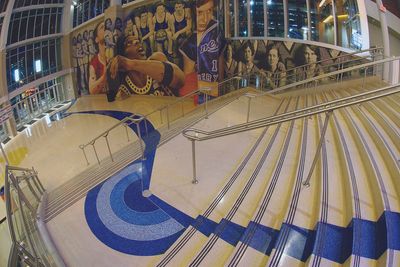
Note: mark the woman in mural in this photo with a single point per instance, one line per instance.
(109, 39)
(146, 32)
(275, 70)
(91, 45)
(97, 67)
(307, 57)
(162, 30)
(117, 30)
(142, 75)
(230, 63)
(81, 65)
(247, 66)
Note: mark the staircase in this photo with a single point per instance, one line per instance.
(350, 213)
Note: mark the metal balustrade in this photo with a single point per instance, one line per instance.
(266, 81)
(164, 114)
(24, 194)
(390, 65)
(32, 106)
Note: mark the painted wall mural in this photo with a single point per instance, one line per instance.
(280, 62)
(149, 50)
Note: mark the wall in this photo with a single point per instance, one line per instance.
(376, 37)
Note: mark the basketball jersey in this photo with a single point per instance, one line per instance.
(181, 24)
(208, 53)
(161, 25)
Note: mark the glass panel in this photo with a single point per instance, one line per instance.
(257, 17)
(324, 21)
(243, 18)
(298, 27)
(231, 18)
(275, 13)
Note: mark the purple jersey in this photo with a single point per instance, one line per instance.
(208, 53)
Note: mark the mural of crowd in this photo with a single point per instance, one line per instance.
(278, 62)
(153, 50)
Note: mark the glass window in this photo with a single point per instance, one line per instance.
(3, 5)
(33, 61)
(276, 23)
(243, 29)
(85, 10)
(23, 3)
(257, 17)
(34, 23)
(322, 18)
(298, 25)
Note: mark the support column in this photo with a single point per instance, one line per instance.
(385, 36)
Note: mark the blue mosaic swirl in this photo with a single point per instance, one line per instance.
(119, 215)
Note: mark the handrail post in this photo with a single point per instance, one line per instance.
(365, 75)
(168, 116)
(319, 147)
(95, 152)
(161, 116)
(140, 139)
(108, 146)
(194, 181)
(126, 130)
(84, 153)
(205, 91)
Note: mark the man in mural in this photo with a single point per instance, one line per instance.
(247, 66)
(182, 26)
(162, 30)
(97, 68)
(146, 31)
(91, 45)
(142, 75)
(130, 27)
(203, 48)
(109, 39)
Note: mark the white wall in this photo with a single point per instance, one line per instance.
(376, 39)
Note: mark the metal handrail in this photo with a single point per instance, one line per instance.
(193, 134)
(334, 58)
(327, 75)
(137, 118)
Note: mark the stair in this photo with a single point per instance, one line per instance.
(348, 214)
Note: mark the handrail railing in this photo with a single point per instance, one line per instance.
(326, 76)
(138, 118)
(288, 74)
(24, 194)
(194, 135)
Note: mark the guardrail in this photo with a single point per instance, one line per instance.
(391, 65)
(164, 114)
(24, 194)
(272, 80)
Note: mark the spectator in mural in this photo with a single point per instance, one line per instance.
(275, 70)
(182, 25)
(230, 63)
(91, 45)
(130, 28)
(142, 75)
(80, 56)
(247, 66)
(307, 57)
(117, 30)
(97, 68)
(146, 32)
(162, 30)
(109, 39)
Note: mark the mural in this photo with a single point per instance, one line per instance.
(163, 49)
(279, 62)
